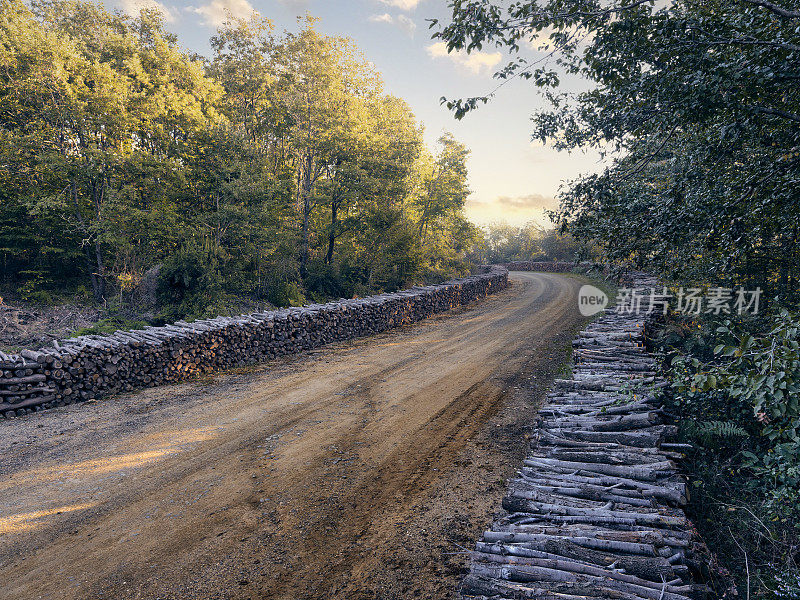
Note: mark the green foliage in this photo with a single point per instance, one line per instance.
(728, 507)
(286, 293)
(274, 169)
(190, 282)
(110, 325)
(751, 384)
(39, 297)
(31, 289)
(695, 106)
(763, 372)
(733, 391)
(712, 432)
(506, 243)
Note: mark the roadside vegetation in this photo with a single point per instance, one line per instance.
(157, 184)
(695, 107)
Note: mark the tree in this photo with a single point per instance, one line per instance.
(111, 100)
(375, 168)
(321, 81)
(695, 103)
(276, 169)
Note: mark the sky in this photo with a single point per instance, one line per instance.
(512, 179)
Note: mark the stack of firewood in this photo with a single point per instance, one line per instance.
(595, 511)
(87, 367)
(23, 381)
(549, 267)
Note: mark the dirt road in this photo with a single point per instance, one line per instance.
(357, 471)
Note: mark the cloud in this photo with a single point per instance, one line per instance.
(133, 7)
(384, 18)
(401, 21)
(402, 4)
(515, 210)
(529, 202)
(217, 12)
(475, 62)
(406, 24)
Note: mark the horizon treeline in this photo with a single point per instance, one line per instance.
(275, 169)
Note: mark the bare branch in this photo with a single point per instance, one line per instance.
(645, 160)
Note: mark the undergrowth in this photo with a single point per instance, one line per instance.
(734, 393)
(110, 325)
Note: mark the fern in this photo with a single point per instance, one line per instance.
(710, 431)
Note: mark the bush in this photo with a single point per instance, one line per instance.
(110, 325)
(324, 281)
(734, 391)
(32, 290)
(286, 293)
(189, 283)
(39, 297)
(760, 377)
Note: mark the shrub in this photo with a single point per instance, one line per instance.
(32, 290)
(189, 283)
(110, 325)
(735, 390)
(762, 373)
(286, 293)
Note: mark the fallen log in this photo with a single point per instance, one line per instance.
(571, 566)
(651, 472)
(542, 575)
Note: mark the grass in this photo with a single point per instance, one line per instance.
(606, 286)
(109, 325)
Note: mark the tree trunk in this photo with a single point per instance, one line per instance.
(101, 282)
(98, 285)
(98, 193)
(306, 201)
(332, 233)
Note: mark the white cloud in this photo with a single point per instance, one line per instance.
(475, 62)
(217, 12)
(402, 4)
(406, 24)
(384, 18)
(401, 21)
(133, 7)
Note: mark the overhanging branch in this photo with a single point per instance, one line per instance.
(778, 10)
(777, 112)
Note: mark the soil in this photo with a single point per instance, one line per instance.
(25, 325)
(362, 470)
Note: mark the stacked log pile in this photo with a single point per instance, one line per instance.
(87, 367)
(596, 509)
(23, 381)
(550, 267)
